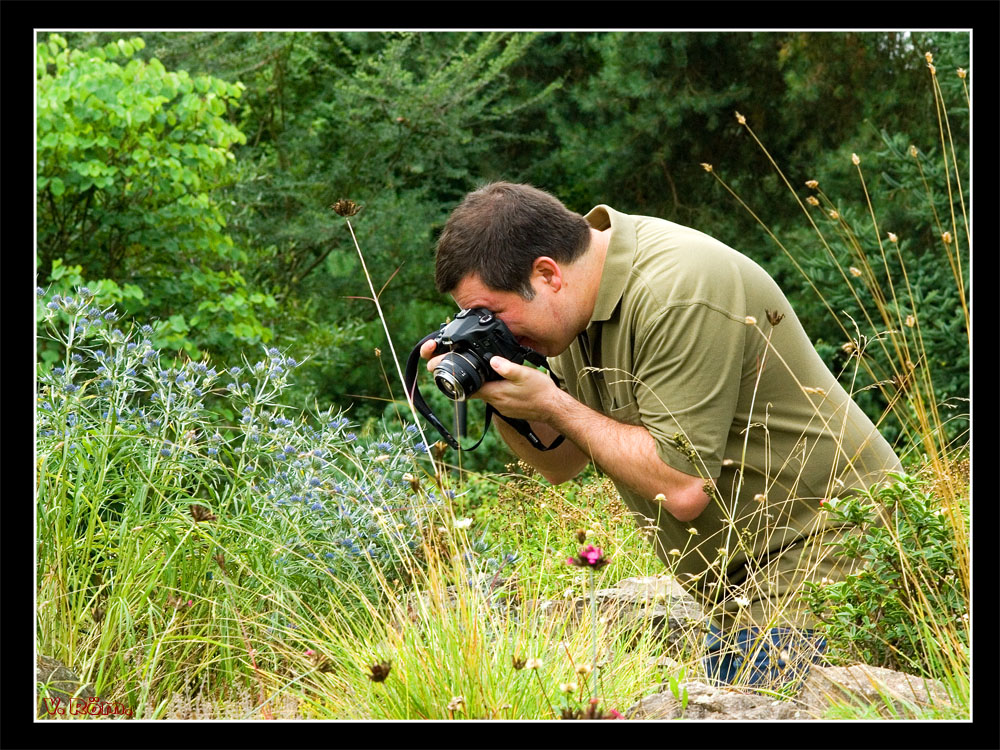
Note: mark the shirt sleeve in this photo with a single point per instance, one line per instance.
(688, 365)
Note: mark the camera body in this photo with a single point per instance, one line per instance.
(474, 337)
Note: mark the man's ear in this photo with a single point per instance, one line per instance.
(548, 271)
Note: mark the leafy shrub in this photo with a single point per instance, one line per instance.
(912, 593)
(129, 158)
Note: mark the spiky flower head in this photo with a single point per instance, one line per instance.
(813, 184)
(345, 207)
(855, 159)
(741, 119)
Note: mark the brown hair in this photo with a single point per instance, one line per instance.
(496, 233)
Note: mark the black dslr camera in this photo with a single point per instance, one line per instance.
(473, 338)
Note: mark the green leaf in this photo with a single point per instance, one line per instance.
(57, 187)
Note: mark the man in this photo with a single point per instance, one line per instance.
(687, 378)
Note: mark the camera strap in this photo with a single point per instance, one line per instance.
(520, 425)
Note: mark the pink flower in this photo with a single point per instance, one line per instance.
(590, 557)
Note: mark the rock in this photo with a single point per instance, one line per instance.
(704, 702)
(635, 606)
(60, 683)
(893, 694)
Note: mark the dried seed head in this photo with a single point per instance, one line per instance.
(518, 662)
(706, 167)
(910, 321)
(438, 449)
(946, 237)
(961, 73)
(379, 671)
(456, 703)
(345, 207)
(584, 669)
(855, 271)
(759, 497)
(774, 317)
(201, 513)
(812, 201)
(674, 552)
(834, 214)
(741, 601)
(750, 320)
(741, 119)
(913, 151)
(812, 184)
(855, 159)
(932, 69)
(414, 482)
(533, 664)
(693, 531)
(581, 535)
(928, 57)
(567, 687)
(893, 238)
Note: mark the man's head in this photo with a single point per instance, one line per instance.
(498, 231)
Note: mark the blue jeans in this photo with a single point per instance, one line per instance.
(754, 658)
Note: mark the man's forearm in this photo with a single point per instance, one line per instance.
(627, 453)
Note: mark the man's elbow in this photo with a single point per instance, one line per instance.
(685, 505)
(555, 477)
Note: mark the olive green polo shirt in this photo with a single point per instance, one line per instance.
(680, 343)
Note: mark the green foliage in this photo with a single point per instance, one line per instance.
(911, 596)
(910, 292)
(126, 444)
(399, 123)
(130, 159)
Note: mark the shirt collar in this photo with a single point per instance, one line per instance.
(617, 262)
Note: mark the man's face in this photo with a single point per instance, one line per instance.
(537, 323)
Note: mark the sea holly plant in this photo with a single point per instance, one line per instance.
(295, 499)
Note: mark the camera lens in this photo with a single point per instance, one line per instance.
(458, 377)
